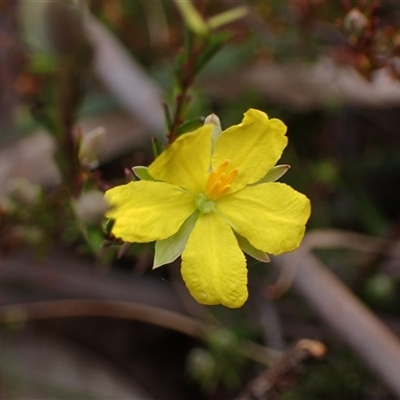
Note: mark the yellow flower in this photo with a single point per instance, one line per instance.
(209, 197)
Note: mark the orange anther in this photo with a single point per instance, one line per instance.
(219, 182)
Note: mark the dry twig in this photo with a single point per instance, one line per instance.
(271, 379)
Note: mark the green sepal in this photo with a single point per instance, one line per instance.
(273, 174)
(249, 249)
(170, 249)
(142, 173)
(109, 225)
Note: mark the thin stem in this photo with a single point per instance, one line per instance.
(189, 73)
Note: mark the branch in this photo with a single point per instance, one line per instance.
(269, 379)
(103, 308)
(132, 311)
(357, 326)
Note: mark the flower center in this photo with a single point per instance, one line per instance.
(219, 181)
(204, 204)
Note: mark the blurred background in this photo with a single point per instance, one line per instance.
(91, 89)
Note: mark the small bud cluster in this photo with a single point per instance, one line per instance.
(370, 43)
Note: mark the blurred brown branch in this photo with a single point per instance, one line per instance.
(356, 325)
(114, 295)
(102, 308)
(332, 239)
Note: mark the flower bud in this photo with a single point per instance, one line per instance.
(91, 206)
(355, 21)
(23, 192)
(90, 147)
(214, 120)
(216, 131)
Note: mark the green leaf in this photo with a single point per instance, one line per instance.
(214, 44)
(227, 17)
(273, 174)
(167, 117)
(249, 249)
(192, 17)
(157, 150)
(170, 249)
(142, 173)
(189, 126)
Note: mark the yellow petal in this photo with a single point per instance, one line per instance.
(272, 216)
(145, 211)
(254, 146)
(186, 162)
(213, 266)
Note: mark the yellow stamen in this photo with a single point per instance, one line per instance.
(219, 182)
